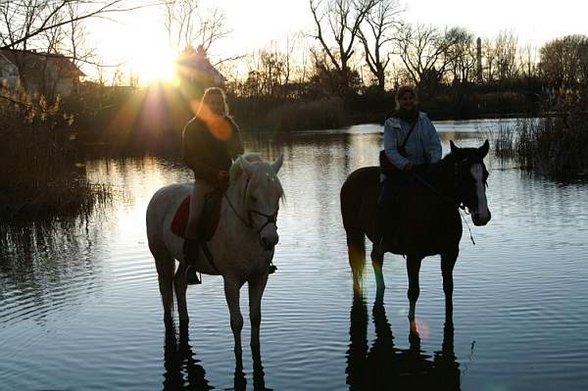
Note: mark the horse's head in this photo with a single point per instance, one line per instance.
(472, 176)
(260, 194)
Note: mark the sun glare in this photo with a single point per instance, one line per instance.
(150, 57)
(155, 68)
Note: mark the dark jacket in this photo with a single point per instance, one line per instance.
(210, 145)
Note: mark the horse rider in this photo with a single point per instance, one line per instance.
(211, 141)
(410, 140)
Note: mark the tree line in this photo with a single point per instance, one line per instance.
(344, 71)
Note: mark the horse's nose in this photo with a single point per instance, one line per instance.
(481, 219)
(270, 242)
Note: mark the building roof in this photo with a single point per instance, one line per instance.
(32, 62)
(195, 63)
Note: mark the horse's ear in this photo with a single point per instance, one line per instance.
(244, 164)
(454, 148)
(484, 148)
(277, 164)
(239, 166)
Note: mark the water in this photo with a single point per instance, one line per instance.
(80, 307)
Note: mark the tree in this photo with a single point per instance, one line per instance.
(461, 55)
(337, 30)
(426, 53)
(24, 21)
(51, 27)
(564, 61)
(188, 25)
(376, 35)
(506, 47)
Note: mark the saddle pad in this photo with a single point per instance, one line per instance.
(178, 225)
(209, 218)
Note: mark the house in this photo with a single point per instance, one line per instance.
(196, 73)
(44, 73)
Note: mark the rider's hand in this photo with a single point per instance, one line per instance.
(222, 177)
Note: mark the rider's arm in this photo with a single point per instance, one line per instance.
(391, 142)
(434, 144)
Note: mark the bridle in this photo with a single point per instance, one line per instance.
(459, 168)
(248, 222)
(455, 199)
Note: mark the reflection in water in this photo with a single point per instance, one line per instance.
(48, 263)
(182, 368)
(384, 366)
(184, 371)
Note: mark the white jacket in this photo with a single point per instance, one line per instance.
(423, 144)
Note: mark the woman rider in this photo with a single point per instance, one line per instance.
(211, 141)
(410, 140)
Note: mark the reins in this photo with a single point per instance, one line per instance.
(460, 205)
(270, 218)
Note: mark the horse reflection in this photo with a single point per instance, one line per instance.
(384, 366)
(182, 368)
(184, 371)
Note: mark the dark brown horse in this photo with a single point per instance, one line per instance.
(429, 217)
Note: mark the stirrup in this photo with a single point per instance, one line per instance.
(272, 268)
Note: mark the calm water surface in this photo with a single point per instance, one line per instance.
(80, 307)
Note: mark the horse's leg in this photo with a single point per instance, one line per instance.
(356, 256)
(165, 265)
(180, 285)
(448, 260)
(232, 287)
(377, 264)
(413, 267)
(256, 288)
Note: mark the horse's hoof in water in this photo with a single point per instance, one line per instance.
(192, 276)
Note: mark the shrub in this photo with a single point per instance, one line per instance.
(39, 176)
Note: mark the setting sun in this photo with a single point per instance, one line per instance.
(155, 68)
(154, 65)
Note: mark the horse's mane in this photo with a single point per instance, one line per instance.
(237, 167)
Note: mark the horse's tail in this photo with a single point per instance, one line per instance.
(350, 198)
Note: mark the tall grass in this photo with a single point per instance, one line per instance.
(39, 177)
(555, 146)
(502, 140)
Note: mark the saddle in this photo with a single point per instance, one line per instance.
(209, 218)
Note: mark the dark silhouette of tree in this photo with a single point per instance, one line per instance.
(24, 21)
(52, 28)
(376, 35)
(564, 61)
(506, 47)
(426, 53)
(337, 30)
(189, 25)
(461, 55)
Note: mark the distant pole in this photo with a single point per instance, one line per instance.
(479, 60)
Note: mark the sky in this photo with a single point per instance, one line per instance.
(141, 40)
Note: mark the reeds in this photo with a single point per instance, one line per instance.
(39, 177)
(555, 146)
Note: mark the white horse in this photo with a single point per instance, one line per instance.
(241, 248)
